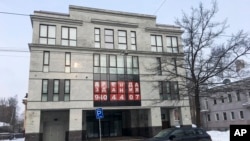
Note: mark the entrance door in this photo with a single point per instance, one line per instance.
(53, 131)
(105, 128)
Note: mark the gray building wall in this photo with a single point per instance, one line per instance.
(85, 20)
(235, 106)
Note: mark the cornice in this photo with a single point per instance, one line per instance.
(56, 20)
(114, 23)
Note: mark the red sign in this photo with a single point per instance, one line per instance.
(104, 87)
(121, 87)
(137, 87)
(113, 87)
(130, 87)
(117, 97)
(100, 97)
(97, 87)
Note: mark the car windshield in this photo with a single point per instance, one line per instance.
(163, 133)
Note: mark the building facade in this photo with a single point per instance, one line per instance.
(227, 105)
(92, 58)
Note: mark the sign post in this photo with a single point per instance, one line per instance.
(99, 115)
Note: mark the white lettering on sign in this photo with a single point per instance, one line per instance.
(239, 132)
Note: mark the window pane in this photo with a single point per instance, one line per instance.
(112, 60)
(56, 86)
(168, 87)
(43, 40)
(129, 71)
(67, 86)
(108, 38)
(65, 33)
(168, 41)
(159, 41)
(43, 30)
(45, 68)
(65, 42)
(132, 40)
(175, 50)
(46, 58)
(51, 41)
(67, 69)
(66, 97)
(52, 31)
(103, 60)
(103, 70)
(121, 33)
(135, 71)
(135, 62)
(122, 40)
(174, 41)
(132, 34)
(97, 45)
(97, 38)
(120, 70)
(159, 49)
(108, 32)
(109, 45)
(44, 97)
(72, 43)
(97, 31)
(72, 33)
(153, 40)
(67, 59)
(122, 46)
(120, 61)
(112, 70)
(56, 97)
(96, 60)
(97, 70)
(45, 86)
(129, 61)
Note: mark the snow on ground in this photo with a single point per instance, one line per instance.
(219, 135)
(216, 136)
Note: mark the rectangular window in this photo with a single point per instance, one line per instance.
(229, 98)
(97, 38)
(215, 102)
(46, 56)
(135, 65)
(217, 117)
(47, 34)
(109, 38)
(206, 104)
(159, 69)
(156, 43)
(133, 40)
(169, 90)
(56, 90)
(120, 65)
(68, 36)
(222, 99)
(66, 90)
(122, 39)
(45, 84)
(67, 62)
(232, 116)
(173, 63)
(238, 95)
(224, 115)
(241, 115)
(208, 117)
(97, 68)
(112, 64)
(172, 44)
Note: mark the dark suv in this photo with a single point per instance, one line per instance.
(181, 134)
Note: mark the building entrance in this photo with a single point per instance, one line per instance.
(111, 124)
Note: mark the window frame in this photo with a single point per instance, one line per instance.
(45, 64)
(217, 116)
(229, 96)
(47, 37)
(67, 66)
(156, 46)
(47, 89)
(241, 115)
(171, 47)
(232, 115)
(133, 38)
(237, 95)
(208, 117)
(68, 39)
(225, 115)
(159, 66)
(105, 38)
(99, 37)
(124, 37)
(65, 89)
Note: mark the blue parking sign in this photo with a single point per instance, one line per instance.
(99, 113)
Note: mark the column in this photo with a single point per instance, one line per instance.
(32, 128)
(155, 123)
(75, 125)
(185, 116)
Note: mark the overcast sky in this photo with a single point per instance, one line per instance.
(16, 30)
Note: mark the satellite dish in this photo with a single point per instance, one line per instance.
(226, 81)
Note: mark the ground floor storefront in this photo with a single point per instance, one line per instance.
(79, 124)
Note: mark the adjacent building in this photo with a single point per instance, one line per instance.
(226, 105)
(91, 58)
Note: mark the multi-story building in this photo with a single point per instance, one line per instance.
(93, 58)
(226, 105)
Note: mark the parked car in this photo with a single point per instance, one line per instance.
(182, 134)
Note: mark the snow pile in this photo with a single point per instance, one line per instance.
(219, 135)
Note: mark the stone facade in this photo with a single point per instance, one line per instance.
(63, 74)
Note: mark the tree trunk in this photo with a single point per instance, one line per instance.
(197, 106)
